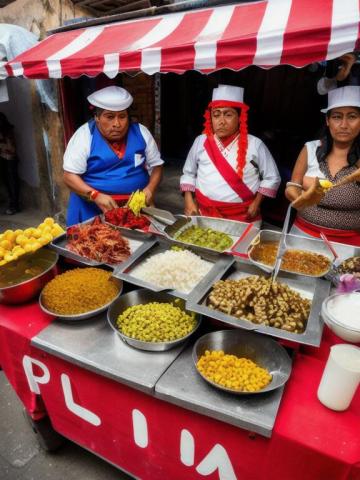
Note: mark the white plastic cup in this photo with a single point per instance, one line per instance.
(341, 377)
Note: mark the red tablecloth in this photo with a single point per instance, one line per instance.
(309, 441)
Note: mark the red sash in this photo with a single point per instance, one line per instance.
(349, 237)
(226, 170)
(229, 210)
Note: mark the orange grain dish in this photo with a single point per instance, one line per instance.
(298, 261)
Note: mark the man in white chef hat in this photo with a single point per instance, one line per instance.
(109, 157)
(228, 172)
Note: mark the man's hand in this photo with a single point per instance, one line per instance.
(310, 197)
(348, 61)
(254, 209)
(105, 202)
(190, 207)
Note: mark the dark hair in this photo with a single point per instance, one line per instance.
(327, 142)
(5, 125)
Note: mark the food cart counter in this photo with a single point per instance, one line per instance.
(131, 412)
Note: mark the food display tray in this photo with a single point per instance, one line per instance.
(124, 270)
(315, 289)
(138, 242)
(181, 385)
(293, 242)
(236, 230)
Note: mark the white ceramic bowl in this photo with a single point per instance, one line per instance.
(339, 325)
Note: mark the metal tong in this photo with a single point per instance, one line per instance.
(281, 247)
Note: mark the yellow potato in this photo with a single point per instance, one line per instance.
(18, 250)
(2, 262)
(29, 232)
(5, 244)
(9, 235)
(37, 233)
(49, 221)
(21, 239)
(9, 257)
(28, 247)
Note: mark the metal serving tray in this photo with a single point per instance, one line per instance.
(236, 230)
(124, 270)
(292, 242)
(138, 242)
(315, 289)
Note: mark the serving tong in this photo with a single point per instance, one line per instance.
(281, 248)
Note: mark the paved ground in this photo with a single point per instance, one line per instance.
(21, 458)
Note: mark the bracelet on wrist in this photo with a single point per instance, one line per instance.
(93, 194)
(294, 184)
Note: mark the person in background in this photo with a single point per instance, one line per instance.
(228, 172)
(335, 157)
(8, 162)
(109, 157)
(339, 71)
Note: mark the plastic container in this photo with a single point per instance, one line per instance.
(341, 377)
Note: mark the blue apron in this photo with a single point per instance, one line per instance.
(109, 174)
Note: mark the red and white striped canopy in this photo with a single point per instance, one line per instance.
(264, 33)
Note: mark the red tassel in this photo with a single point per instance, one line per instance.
(243, 130)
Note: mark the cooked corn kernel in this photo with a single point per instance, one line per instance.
(237, 373)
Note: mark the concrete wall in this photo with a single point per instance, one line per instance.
(38, 130)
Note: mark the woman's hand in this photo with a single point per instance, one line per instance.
(311, 196)
(149, 196)
(253, 210)
(105, 202)
(191, 207)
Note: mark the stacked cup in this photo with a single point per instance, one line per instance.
(341, 377)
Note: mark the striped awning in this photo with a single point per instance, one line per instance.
(264, 33)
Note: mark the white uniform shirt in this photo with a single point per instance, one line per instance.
(313, 169)
(78, 150)
(200, 173)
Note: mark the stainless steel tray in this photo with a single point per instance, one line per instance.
(124, 271)
(236, 230)
(137, 297)
(265, 352)
(82, 316)
(138, 242)
(291, 242)
(315, 289)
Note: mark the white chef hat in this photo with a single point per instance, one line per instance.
(343, 97)
(111, 98)
(229, 93)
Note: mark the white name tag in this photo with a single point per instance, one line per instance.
(138, 159)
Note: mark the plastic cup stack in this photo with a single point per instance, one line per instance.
(341, 377)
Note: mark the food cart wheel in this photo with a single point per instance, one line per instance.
(48, 439)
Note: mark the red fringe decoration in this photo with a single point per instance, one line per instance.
(243, 130)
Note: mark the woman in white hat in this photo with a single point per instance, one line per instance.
(108, 158)
(335, 157)
(228, 172)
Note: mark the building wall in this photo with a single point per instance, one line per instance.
(38, 130)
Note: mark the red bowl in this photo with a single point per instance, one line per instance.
(29, 289)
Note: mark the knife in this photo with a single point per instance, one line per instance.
(282, 246)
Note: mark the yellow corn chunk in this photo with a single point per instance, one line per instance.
(325, 184)
(136, 202)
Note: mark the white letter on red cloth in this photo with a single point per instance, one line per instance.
(73, 407)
